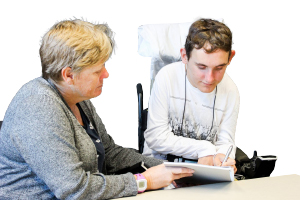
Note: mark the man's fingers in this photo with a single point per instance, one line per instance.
(206, 160)
(217, 162)
(234, 168)
(230, 162)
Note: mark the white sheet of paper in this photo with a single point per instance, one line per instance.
(205, 174)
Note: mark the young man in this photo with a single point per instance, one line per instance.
(194, 104)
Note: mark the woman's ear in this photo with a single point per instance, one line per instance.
(67, 75)
(183, 55)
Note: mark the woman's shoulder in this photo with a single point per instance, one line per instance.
(36, 87)
(37, 92)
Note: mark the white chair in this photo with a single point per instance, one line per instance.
(161, 42)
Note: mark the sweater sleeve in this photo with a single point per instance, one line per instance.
(159, 136)
(44, 135)
(117, 157)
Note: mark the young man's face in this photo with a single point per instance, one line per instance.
(206, 70)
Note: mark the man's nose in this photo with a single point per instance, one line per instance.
(209, 76)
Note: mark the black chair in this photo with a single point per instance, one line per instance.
(142, 114)
(0, 124)
(248, 168)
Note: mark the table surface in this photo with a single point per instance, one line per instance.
(280, 187)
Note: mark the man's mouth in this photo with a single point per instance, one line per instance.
(207, 84)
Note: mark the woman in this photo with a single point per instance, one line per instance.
(53, 145)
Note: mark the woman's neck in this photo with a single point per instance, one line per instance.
(70, 97)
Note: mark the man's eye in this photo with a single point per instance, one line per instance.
(201, 67)
(219, 68)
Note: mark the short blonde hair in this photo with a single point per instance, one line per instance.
(76, 44)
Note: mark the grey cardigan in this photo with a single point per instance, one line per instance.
(46, 154)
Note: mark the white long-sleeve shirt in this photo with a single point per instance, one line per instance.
(165, 112)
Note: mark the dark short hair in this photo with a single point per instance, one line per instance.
(208, 31)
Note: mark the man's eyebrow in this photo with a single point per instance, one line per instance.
(223, 64)
(220, 65)
(200, 64)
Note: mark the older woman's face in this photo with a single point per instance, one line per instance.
(89, 82)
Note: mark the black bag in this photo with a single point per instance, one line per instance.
(256, 167)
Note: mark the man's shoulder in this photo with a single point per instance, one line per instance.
(227, 85)
(171, 70)
(175, 66)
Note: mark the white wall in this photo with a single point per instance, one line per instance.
(265, 68)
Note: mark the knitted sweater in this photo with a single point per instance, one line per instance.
(46, 154)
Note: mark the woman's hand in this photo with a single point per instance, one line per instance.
(219, 159)
(162, 176)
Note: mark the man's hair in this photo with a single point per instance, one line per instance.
(76, 44)
(210, 35)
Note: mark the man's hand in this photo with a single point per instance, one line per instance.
(162, 176)
(207, 160)
(219, 159)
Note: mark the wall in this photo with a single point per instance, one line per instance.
(265, 67)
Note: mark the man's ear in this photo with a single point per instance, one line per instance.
(67, 75)
(183, 55)
(231, 55)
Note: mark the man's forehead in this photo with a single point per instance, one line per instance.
(216, 52)
(216, 58)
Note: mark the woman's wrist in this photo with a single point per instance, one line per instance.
(147, 179)
(141, 182)
(149, 186)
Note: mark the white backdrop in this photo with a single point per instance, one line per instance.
(265, 68)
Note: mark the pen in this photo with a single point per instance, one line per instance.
(227, 154)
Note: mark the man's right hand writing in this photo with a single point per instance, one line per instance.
(219, 159)
(207, 160)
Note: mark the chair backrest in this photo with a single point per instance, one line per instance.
(0, 124)
(161, 42)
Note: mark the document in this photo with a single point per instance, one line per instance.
(205, 174)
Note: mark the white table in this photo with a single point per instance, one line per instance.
(281, 187)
